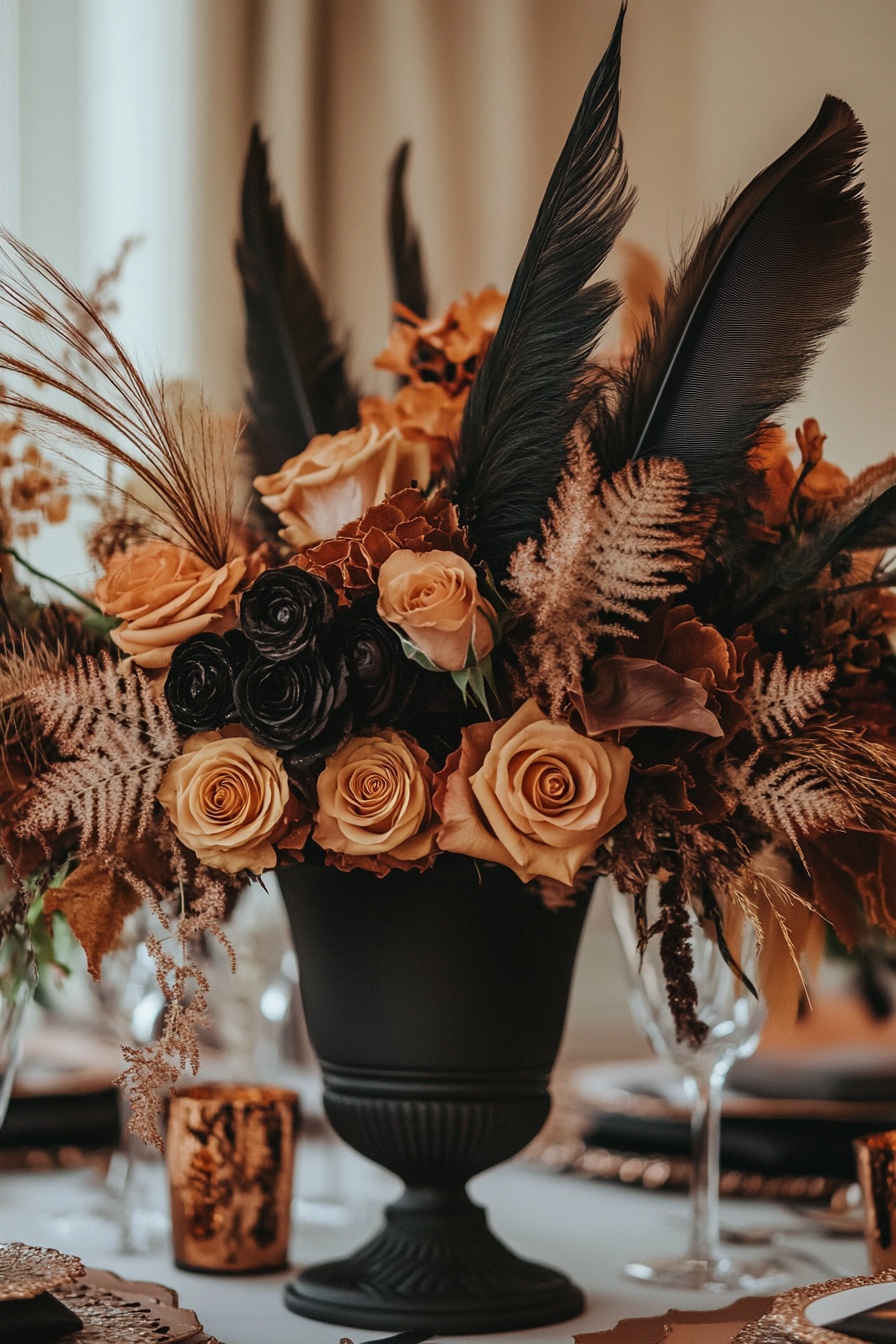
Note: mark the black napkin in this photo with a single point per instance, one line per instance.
(877, 1324)
(85, 1120)
(785, 1146)
(39, 1320)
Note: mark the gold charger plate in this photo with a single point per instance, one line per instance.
(28, 1271)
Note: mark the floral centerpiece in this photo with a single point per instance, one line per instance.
(564, 613)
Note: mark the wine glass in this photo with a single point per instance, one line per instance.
(18, 981)
(734, 1019)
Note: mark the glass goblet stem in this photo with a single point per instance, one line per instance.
(704, 1092)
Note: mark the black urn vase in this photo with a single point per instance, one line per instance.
(436, 1003)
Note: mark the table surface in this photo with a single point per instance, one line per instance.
(587, 1228)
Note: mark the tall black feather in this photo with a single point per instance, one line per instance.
(523, 402)
(745, 316)
(405, 254)
(299, 386)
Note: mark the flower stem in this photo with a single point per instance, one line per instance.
(48, 578)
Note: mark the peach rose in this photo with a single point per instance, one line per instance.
(163, 594)
(434, 601)
(337, 477)
(227, 797)
(375, 805)
(531, 794)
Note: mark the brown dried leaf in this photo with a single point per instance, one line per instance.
(96, 902)
(640, 693)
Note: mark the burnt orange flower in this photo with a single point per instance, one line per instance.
(446, 349)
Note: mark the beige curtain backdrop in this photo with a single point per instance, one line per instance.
(486, 90)
(134, 119)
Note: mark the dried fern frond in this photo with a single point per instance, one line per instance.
(792, 797)
(115, 739)
(783, 701)
(43, 648)
(92, 394)
(608, 552)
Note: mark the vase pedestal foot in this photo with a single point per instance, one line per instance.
(436, 1265)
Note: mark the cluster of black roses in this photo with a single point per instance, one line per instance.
(300, 673)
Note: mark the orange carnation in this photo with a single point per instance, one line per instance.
(163, 594)
(532, 794)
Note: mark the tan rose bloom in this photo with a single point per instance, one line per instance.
(337, 477)
(375, 804)
(531, 794)
(163, 594)
(434, 601)
(226, 797)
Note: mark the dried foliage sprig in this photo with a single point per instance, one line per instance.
(608, 550)
(781, 701)
(115, 738)
(56, 340)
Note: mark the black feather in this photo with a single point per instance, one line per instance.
(408, 273)
(745, 316)
(523, 402)
(299, 386)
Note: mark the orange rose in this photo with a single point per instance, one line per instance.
(337, 477)
(434, 601)
(375, 812)
(227, 797)
(531, 794)
(163, 594)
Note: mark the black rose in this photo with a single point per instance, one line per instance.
(200, 681)
(287, 704)
(381, 676)
(285, 610)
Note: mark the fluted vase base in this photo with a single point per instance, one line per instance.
(436, 1265)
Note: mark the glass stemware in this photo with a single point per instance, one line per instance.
(734, 1019)
(18, 981)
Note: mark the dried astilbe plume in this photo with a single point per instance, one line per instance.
(92, 394)
(607, 551)
(115, 739)
(181, 980)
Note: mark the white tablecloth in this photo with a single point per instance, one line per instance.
(586, 1228)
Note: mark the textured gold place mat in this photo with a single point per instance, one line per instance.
(28, 1271)
(113, 1310)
